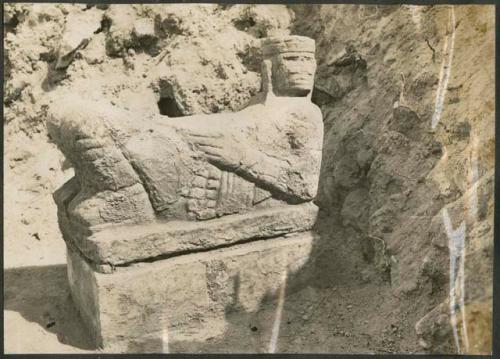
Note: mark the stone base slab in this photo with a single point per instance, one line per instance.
(144, 306)
(120, 245)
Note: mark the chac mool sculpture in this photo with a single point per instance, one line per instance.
(147, 188)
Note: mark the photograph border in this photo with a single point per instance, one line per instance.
(496, 230)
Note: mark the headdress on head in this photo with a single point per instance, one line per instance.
(273, 46)
(293, 43)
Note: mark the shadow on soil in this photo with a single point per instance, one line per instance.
(41, 295)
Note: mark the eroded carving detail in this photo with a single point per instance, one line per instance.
(131, 169)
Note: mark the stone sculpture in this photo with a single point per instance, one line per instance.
(197, 167)
(148, 188)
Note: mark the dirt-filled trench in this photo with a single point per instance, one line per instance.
(406, 184)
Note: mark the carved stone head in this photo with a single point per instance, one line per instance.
(289, 65)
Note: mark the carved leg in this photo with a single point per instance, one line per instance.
(110, 189)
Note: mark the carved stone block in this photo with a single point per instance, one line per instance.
(119, 245)
(145, 307)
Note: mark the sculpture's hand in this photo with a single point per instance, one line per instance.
(222, 151)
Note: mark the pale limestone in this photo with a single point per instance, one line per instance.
(131, 243)
(185, 296)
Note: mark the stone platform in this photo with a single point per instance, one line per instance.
(141, 288)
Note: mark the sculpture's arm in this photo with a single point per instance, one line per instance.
(293, 178)
(291, 174)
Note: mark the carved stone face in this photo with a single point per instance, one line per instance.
(293, 73)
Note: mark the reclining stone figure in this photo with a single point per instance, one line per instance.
(132, 168)
(148, 191)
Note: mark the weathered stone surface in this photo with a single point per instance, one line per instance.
(132, 243)
(147, 194)
(144, 306)
(196, 167)
(240, 150)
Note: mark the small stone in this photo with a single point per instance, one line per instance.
(144, 28)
